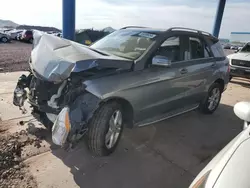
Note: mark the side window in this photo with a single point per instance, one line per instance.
(196, 48)
(207, 52)
(217, 50)
(170, 48)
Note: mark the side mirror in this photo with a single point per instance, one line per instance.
(161, 61)
(242, 110)
(235, 51)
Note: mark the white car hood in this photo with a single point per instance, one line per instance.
(240, 56)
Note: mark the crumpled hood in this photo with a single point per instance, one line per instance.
(54, 58)
(240, 56)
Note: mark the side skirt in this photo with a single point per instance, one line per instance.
(166, 116)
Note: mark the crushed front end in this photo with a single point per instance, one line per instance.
(64, 107)
(55, 86)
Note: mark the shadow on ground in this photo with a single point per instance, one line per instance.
(166, 154)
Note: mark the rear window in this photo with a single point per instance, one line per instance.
(217, 50)
(215, 47)
(29, 33)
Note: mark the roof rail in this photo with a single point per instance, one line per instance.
(188, 29)
(133, 27)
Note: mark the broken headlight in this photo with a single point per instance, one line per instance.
(61, 127)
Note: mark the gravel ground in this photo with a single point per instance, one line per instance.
(14, 56)
(13, 172)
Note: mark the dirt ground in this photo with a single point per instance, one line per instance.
(166, 154)
(14, 56)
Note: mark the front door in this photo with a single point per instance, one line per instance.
(164, 88)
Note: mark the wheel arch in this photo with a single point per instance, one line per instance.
(221, 82)
(127, 108)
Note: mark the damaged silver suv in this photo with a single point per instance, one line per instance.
(132, 77)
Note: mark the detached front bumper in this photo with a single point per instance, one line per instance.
(239, 72)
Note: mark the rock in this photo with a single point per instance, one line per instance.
(4, 175)
(17, 167)
(21, 165)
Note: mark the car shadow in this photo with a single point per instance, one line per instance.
(165, 154)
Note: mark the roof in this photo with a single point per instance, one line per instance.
(158, 31)
(240, 33)
(146, 29)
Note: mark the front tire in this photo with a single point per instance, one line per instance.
(105, 129)
(212, 100)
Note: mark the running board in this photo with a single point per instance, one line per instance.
(166, 116)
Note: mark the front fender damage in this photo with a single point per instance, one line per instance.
(72, 122)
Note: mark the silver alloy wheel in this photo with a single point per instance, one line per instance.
(4, 40)
(115, 124)
(214, 99)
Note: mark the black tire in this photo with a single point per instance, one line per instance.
(4, 39)
(98, 128)
(204, 106)
(31, 40)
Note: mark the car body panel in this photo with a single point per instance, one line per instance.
(240, 56)
(236, 172)
(240, 64)
(218, 163)
(4, 35)
(61, 57)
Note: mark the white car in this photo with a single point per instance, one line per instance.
(4, 37)
(230, 168)
(240, 62)
(13, 34)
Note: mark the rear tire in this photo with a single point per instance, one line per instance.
(212, 100)
(31, 40)
(100, 140)
(230, 78)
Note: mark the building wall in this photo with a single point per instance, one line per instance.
(240, 37)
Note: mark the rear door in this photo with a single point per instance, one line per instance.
(200, 65)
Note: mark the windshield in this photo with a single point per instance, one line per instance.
(125, 43)
(246, 48)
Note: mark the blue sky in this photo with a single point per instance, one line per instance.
(197, 14)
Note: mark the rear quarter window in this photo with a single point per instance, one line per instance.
(28, 32)
(217, 50)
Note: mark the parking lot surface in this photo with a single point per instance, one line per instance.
(165, 154)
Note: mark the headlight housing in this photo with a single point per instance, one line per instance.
(201, 183)
(61, 127)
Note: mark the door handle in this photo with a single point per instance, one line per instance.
(213, 65)
(183, 71)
